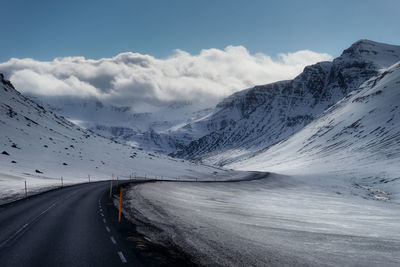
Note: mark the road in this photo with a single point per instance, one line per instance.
(72, 226)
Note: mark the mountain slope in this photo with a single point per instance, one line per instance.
(148, 130)
(356, 140)
(264, 115)
(38, 146)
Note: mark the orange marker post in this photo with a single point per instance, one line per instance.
(111, 188)
(120, 205)
(26, 190)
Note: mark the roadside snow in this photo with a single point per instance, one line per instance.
(271, 222)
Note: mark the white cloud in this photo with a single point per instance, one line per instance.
(132, 77)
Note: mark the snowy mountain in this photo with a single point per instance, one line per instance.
(148, 130)
(261, 116)
(356, 141)
(39, 146)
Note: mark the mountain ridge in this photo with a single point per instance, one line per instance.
(265, 115)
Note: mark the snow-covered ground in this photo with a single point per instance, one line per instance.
(270, 222)
(40, 147)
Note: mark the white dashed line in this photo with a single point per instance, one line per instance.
(113, 240)
(104, 220)
(122, 257)
(102, 215)
(108, 229)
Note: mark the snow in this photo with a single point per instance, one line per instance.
(158, 129)
(382, 55)
(356, 141)
(43, 147)
(274, 221)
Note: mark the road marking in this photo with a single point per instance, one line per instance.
(102, 215)
(108, 229)
(122, 257)
(113, 240)
(104, 220)
(15, 234)
(20, 231)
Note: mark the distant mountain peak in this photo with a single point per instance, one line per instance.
(364, 44)
(380, 54)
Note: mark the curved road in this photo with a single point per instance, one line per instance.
(65, 227)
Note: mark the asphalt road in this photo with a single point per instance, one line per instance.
(66, 227)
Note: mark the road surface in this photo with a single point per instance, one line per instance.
(72, 226)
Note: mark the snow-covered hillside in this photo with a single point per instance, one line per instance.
(152, 130)
(259, 117)
(356, 141)
(275, 221)
(38, 146)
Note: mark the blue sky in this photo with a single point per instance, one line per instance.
(44, 30)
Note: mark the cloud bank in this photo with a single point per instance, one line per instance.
(130, 78)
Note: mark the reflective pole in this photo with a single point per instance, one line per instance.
(120, 205)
